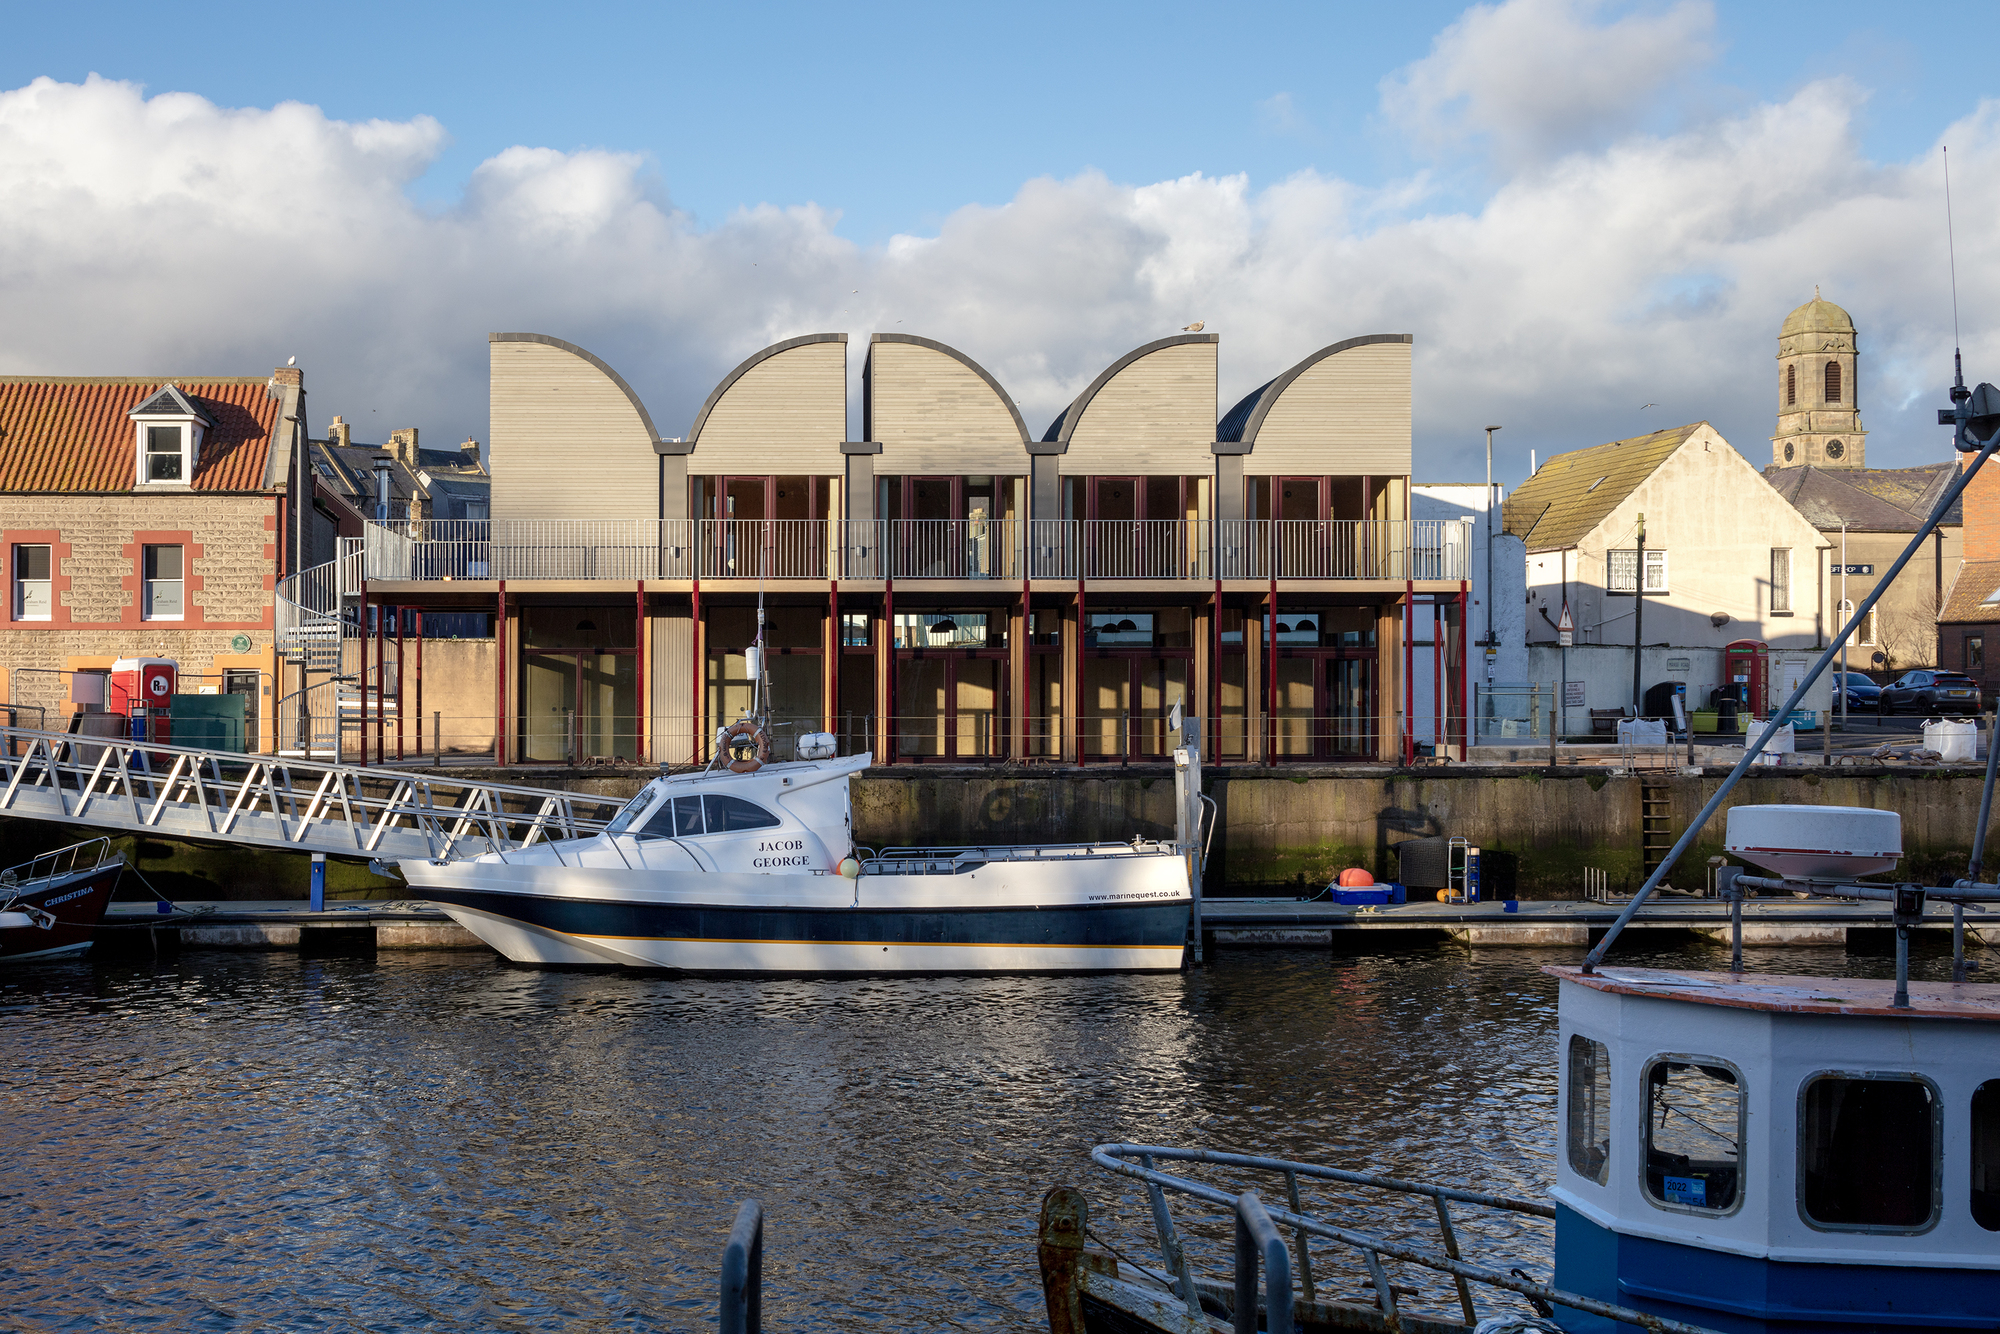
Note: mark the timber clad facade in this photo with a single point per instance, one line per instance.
(951, 586)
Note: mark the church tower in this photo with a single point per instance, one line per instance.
(1819, 410)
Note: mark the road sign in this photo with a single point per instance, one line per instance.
(1565, 628)
(1855, 569)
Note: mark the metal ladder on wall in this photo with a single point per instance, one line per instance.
(1656, 833)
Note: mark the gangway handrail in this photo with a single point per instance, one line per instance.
(256, 799)
(1373, 1248)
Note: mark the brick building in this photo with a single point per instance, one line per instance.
(1971, 614)
(144, 517)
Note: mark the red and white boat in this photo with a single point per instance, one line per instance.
(51, 906)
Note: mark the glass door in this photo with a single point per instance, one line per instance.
(578, 706)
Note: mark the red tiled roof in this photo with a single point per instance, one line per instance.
(70, 433)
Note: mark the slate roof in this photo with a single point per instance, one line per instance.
(1870, 500)
(1974, 595)
(74, 433)
(1572, 492)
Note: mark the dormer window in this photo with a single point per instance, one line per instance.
(166, 455)
(169, 430)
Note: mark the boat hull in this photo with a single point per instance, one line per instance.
(76, 901)
(707, 938)
(1123, 914)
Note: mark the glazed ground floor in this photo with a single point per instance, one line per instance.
(1084, 676)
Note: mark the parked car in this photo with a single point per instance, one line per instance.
(1861, 692)
(1930, 692)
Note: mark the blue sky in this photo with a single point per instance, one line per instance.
(1575, 207)
(897, 114)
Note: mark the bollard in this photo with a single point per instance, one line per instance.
(743, 1273)
(318, 899)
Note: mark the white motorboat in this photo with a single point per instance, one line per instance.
(756, 872)
(749, 866)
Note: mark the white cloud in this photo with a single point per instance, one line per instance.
(170, 236)
(1538, 77)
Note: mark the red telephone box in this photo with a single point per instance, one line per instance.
(1746, 672)
(143, 690)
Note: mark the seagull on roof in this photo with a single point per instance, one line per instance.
(1193, 328)
(291, 361)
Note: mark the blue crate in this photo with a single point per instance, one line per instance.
(1364, 895)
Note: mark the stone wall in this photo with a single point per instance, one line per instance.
(1280, 831)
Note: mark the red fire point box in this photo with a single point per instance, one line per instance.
(143, 690)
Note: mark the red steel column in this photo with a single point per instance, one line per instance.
(402, 700)
(500, 679)
(1409, 672)
(1437, 673)
(437, 746)
(362, 673)
(381, 683)
(695, 721)
(639, 677)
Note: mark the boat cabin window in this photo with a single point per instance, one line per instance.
(628, 813)
(1694, 1133)
(687, 816)
(1589, 1114)
(730, 814)
(1868, 1152)
(661, 823)
(1986, 1155)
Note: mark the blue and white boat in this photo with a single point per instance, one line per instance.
(750, 866)
(756, 872)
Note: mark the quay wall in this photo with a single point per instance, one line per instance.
(1281, 830)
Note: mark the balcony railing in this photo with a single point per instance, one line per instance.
(1168, 550)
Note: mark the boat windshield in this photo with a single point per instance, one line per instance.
(632, 810)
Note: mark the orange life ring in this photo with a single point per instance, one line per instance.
(747, 728)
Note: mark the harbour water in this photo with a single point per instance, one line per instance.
(263, 1141)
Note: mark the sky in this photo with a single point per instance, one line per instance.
(1575, 208)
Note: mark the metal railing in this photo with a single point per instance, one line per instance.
(1137, 1162)
(1179, 550)
(957, 861)
(268, 801)
(85, 856)
(742, 1304)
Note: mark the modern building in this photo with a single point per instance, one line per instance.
(1723, 559)
(947, 584)
(144, 517)
(1495, 674)
(1866, 516)
(1971, 612)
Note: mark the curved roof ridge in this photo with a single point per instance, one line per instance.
(1064, 426)
(744, 367)
(652, 433)
(1013, 409)
(1231, 425)
(1275, 389)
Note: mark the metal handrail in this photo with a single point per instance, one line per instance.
(1372, 1248)
(132, 784)
(26, 874)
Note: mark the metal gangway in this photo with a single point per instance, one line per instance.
(267, 801)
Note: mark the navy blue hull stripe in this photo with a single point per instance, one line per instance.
(1089, 927)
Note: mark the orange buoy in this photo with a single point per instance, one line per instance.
(1354, 877)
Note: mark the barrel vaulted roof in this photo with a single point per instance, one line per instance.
(75, 433)
(1572, 493)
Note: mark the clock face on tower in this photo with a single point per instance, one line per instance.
(1834, 449)
(1788, 453)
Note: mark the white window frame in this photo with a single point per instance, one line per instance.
(191, 438)
(1864, 633)
(1781, 556)
(1619, 584)
(22, 585)
(147, 586)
